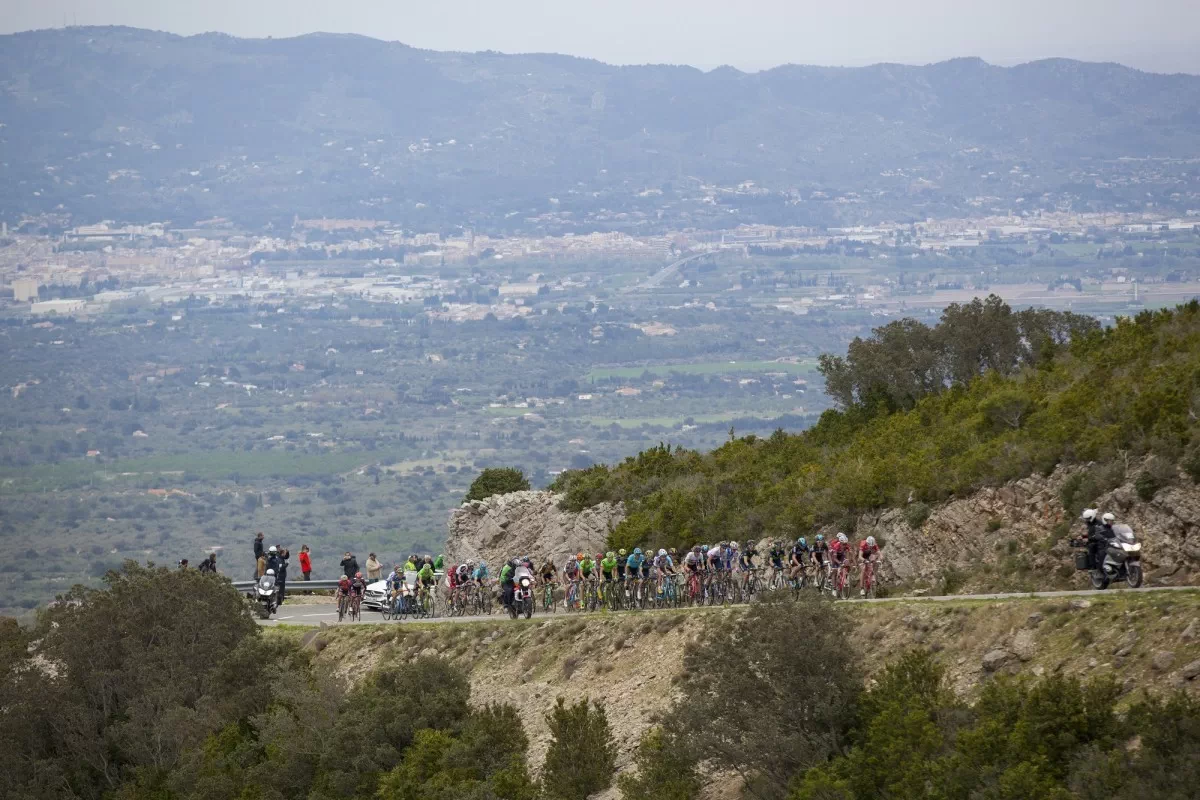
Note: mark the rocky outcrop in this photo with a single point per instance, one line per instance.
(1020, 519)
(527, 523)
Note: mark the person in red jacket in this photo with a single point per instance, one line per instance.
(305, 563)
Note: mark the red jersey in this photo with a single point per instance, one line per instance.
(838, 550)
(865, 550)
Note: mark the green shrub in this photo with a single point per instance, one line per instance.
(582, 754)
(666, 770)
(1146, 486)
(497, 480)
(916, 514)
(1191, 464)
(994, 524)
(951, 581)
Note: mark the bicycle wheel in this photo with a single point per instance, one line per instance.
(341, 609)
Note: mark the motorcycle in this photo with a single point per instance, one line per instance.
(267, 596)
(522, 603)
(1121, 561)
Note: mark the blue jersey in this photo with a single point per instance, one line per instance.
(480, 572)
(634, 562)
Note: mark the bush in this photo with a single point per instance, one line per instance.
(1191, 464)
(665, 771)
(497, 480)
(916, 514)
(1146, 486)
(740, 676)
(582, 754)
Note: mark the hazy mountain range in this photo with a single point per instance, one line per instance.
(138, 125)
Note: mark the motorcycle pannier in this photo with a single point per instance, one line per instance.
(1081, 561)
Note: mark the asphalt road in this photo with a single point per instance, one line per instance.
(318, 613)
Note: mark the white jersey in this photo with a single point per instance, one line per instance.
(715, 552)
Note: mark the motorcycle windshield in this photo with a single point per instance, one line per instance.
(1124, 533)
(266, 582)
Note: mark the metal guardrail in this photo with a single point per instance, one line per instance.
(295, 586)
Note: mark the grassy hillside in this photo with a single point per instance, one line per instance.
(932, 413)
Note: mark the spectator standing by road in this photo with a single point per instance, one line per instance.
(258, 546)
(209, 564)
(349, 564)
(262, 565)
(305, 563)
(374, 568)
(281, 573)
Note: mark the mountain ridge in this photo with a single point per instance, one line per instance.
(139, 125)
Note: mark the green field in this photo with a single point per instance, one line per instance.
(671, 422)
(803, 367)
(209, 466)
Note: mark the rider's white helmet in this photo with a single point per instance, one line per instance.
(841, 537)
(1089, 514)
(871, 541)
(1109, 519)
(271, 572)
(662, 552)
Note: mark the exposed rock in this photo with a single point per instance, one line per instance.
(527, 523)
(1191, 671)
(1126, 645)
(1023, 645)
(1192, 632)
(1079, 604)
(956, 533)
(995, 659)
(1163, 660)
(1034, 619)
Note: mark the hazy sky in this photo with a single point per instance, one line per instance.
(1157, 35)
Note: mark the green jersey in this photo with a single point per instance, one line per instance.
(426, 572)
(608, 565)
(586, 566)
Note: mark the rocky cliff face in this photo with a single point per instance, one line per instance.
(527, 523)
(1015, 532)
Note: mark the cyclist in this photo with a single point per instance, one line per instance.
(745, 562)
(608, 567)
(647, 564)
(343, 589)
(776, 555)
(622, 563)
(694, 560)
(634, 562)
(716, 556)
(730, 556)
(868, 552)
(480, 575)
(548, 572)
(586, 566)
(393, 582)
(800, 556)
(664, 564)
(462, 574)
(571, 568)
(820, 552)
(839, 552)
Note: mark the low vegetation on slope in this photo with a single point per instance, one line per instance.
(986, 396)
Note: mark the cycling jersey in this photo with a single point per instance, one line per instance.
(344, 586)
(746, 559)
(462, 574)
(800, 553)
(548, 572)
(571, 569)
(819, 551)
(645, 568)
(865, 550)
(586, 566)
(608, 566)
(621, 565)
(777, 556)
(664, 563)
(838, 552)
(394, 579)
(692, 560)
(426, 574)
(480, 573)
(357, 586)
(634, 562)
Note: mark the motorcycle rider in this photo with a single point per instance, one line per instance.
(1100, 539)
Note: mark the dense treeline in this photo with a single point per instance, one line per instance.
(160, 687)
(984, 397)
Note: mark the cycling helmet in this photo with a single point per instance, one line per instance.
(637, 551)
(820, 537)
(672, 551)
(662, 552)
(1089, 514)
(724, 544)
(610, 554)
(271, 572)
(358, 574)
(871, 541)
(801, 543)
(843, 538)
(698, 548)
(599, 556)
(622, 552)
(1109, 519)
(733, 546)
(483, 565)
